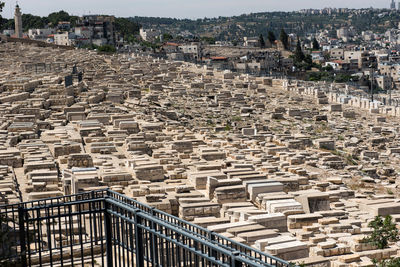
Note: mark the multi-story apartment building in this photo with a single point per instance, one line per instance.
(96, 29)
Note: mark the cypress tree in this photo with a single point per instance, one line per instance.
(262, 41)
(298, 54)
(284, 38)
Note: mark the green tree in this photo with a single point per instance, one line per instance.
(298, 54)
(384, 231)
(308, 61)
(127, 28)
(284, 38)
(271, 37)
(167, 37)
(315, 44)
(90, 46)
(395, 262)
(30, 21)
(107, 49)
(55, 17)
(208, 40)
(328, 68)
(1, 10)
(261, 41)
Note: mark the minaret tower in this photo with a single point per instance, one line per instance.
(18, 22)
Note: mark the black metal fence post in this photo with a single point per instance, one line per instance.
(22, 235)
(154, 243)
(235, 261)
(95, 237)
(212, 252)
(139, 240)
(108, 230)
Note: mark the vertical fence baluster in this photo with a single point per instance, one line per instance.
(235, 260)
(139, 240)
(39, 233)
(48, 226)
(154, 245)
(108, 230)
(70, 223)
(21, 222)
(79, 217)
(91, 232)
(100, 222)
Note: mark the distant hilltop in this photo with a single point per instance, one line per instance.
(301, 22)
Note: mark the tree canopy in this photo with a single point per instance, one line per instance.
(261, 41)
(127, 28)
(30, 21)
(271, 37)
(1, 10)
(55, 17)
(284, 38)
(384, 231)
(209, 40)
(298, 54)
(167, 37)
(394, 262)
(107, 49)
(315, 44)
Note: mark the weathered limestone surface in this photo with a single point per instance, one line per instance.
(296, 169)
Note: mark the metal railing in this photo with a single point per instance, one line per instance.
(109, 229)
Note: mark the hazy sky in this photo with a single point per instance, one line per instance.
(177, 8)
